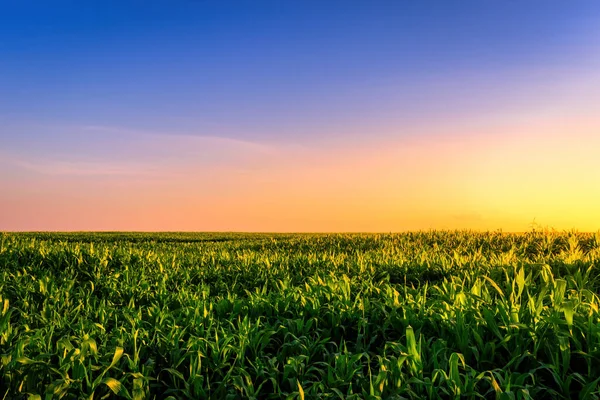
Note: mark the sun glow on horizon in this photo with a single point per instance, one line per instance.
(450, 181)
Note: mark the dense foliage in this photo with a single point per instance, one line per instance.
(228, 316)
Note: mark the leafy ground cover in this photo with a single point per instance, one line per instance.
(231, 316)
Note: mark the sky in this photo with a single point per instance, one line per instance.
(299, 116)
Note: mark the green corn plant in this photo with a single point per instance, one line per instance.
(416, 315)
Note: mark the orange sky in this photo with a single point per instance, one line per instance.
(538, 171)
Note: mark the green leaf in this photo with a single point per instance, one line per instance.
(560, 287)
(494, 285)
(520, 278)
(26, 361)
(300, 390)
(587, 391)
(116, 357)
(411, 344)
(5, 307)
(113, 385)
(568, 307)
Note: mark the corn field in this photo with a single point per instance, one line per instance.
(423, 315)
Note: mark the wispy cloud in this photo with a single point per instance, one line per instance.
(109, 151)
(82, 168)
(180, 139)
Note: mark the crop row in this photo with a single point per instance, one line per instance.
(416, 315)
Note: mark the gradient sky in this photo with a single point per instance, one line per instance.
(323, 115)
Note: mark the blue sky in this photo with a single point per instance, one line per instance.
(265, 68)
(126, 86)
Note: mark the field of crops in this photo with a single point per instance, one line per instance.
(233, 316)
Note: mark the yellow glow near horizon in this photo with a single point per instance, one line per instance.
(535, 172)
